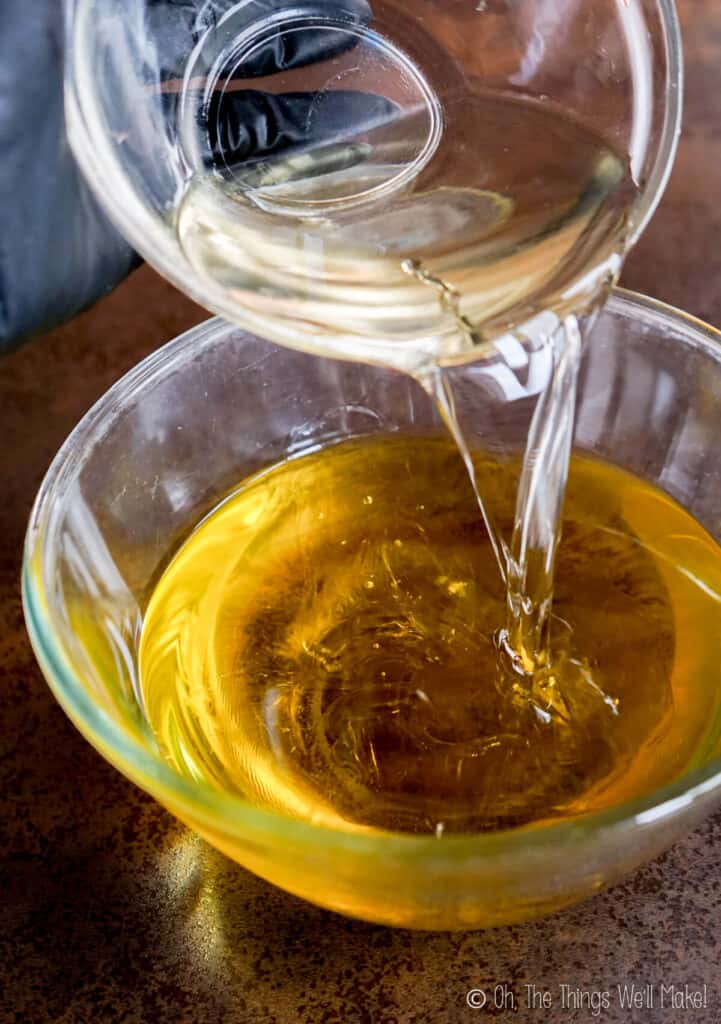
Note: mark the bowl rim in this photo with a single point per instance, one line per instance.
(232, 815)
(658, 178)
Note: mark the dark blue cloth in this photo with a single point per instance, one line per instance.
(58, 253)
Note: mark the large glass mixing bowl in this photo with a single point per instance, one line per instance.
(169, 441)
(311, 248)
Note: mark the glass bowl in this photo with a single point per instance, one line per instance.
(168, 441)
(271, 249)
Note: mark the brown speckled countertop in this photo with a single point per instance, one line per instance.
(112, 911)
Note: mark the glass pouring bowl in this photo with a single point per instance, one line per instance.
(259, 245)
(172, 438)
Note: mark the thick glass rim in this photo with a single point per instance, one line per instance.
(658, 179)
(153, 237)
(232, 815)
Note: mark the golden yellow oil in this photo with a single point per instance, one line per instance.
(324, 643)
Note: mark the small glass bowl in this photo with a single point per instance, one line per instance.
(168, 441)
(140, 77)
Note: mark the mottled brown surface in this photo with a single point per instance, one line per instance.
(111, 911)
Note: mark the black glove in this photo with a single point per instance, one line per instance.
(58, 252)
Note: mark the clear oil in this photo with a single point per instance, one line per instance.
(390, 634)
(520, 209)
(328, 643)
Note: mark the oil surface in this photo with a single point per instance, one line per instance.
(325, 643)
